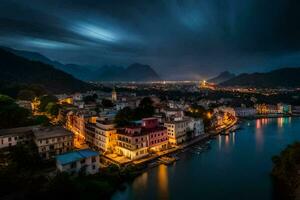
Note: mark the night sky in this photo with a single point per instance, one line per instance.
(179, 39)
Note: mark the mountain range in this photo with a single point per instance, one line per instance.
(283, 77)
(19, 70)
(224, 76)
(134, 72)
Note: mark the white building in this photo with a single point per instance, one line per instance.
(105, 135)
(13, 136)
(84, 160)
(245, 112)
(177, 130)
(196, 126)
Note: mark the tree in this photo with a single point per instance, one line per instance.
(11, 114)
(90, 98)
(197, 111)
(106, 103)
(5, 100)
(52, 109)
(41, 119)
(26, 95)
(124, 117)
(45, 100)
(145, 109)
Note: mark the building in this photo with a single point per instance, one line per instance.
(86, 161)
(90, 133)
(132, 143)
(76, 120)
(114, 95)
(158, 136)
(205, 85)
(296, 110)
(53, 141)
(13, 136)
(284, 108)
(177, 130)
(264, 109)
(24, 104)
(105, 135)
(173, 113)
(245, 112)
(197, 127)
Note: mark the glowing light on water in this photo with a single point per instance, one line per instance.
(163, 182)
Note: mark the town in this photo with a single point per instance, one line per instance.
(93, 130)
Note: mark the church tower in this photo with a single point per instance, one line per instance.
(114, 95)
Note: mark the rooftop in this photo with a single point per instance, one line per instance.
(140, 131)
(184, 119)
(51, 132)
(26, 129)
(74, 156)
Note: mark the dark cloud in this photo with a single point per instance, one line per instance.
(184, 38)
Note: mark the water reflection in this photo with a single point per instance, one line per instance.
(219, 173)
(259, 135)
(220, 142)
(226, 141)
(162, 177)
(280, 122)
(141, 182)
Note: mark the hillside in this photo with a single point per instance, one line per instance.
(224, 76)
(16, 69)
(134, 72)
(78, 71)
(284, 77)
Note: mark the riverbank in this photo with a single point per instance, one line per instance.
(233, 165)
(269, 116)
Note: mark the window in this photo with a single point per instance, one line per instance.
(93, 159)
(82, 161)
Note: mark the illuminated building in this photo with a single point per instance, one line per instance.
(114, 95)
(205, 85)
(75, 122)
(177, 130)
(132, 143)
(105, 135)
(158, 136)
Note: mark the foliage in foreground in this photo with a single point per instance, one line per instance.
(285, 169)
(11, 115)
(25, 176)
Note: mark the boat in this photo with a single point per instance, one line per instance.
(167, 160)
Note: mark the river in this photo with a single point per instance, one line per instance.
(236, 167)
